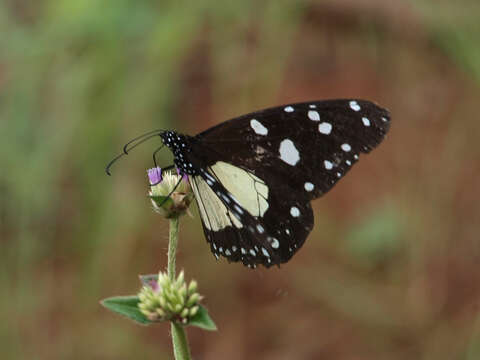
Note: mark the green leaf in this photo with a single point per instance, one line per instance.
(202, 320)
(146, 280)
(126, 306)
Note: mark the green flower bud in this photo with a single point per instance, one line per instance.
(162, 279)
(193, 299)
(170, 296)
(184, 313)
(192, 287)
(161, 312)
(180, 280)
(180, 299)
(162, 302)
(183, 291)
(193, 311)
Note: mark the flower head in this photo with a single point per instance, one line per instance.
(171, 194)
(163, 299)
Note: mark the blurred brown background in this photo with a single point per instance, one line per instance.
(391, 270)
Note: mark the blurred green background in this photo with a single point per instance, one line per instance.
(391, 270)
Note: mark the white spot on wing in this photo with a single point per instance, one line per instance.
(314, 115)
(354, 105)
(308, 186)
(366, 122)
(346, 147)
(294, 211)
(260, 229)
(312, 106)
(275, 243)
(328, 164)
(288, 152)
(238, 209)
(208, 176)
(288, 109)
(258, 127)
(325, 128)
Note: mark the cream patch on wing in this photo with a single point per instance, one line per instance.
(247, 191)
(214, 213)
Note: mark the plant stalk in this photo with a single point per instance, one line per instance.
(172, 248)
(181, 349)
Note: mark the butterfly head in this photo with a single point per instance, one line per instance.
(180, 146)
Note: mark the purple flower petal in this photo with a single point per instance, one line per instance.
(154, 285)
(154, 175)
(183, 175)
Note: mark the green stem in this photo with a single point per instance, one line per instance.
(180, 342)
(172, 248)
(181, 350)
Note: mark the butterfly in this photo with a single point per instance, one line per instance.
(254, 176)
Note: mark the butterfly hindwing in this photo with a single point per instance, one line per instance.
(243, 231)
(228, 225)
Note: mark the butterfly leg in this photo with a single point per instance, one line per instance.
(154, 155)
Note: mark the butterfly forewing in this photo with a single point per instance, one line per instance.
(308, 145)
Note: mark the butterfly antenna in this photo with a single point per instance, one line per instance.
(135, 141)
(155, 154)
(142, 138)
(107, 168)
